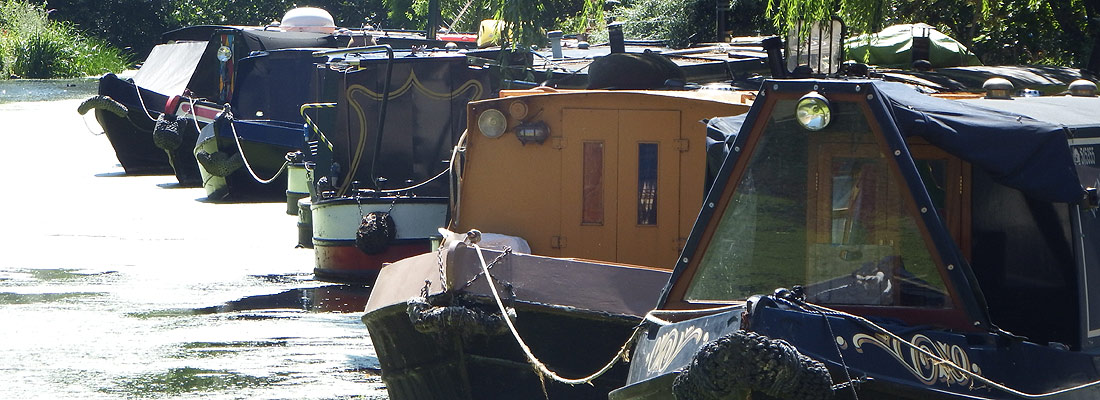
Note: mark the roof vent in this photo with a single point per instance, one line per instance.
(308, 19)
(1082, 88)
(997, 88)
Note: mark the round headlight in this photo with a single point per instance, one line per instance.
(492, 123)
(813, 111)
(224, 54)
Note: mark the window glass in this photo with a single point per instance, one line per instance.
(647, 183)
(824, 211)
(592, 181)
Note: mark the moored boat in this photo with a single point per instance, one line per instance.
(556, 180)
(197, 63)
(869, 241)
(385, 155)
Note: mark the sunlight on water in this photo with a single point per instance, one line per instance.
(63, 341)
(115, 286)
(13, 90)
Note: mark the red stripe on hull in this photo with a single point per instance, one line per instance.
(347, 264)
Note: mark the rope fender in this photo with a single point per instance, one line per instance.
(452, 320)
(747, 361)
(101, 102)
(219, 163)
(166, 133)
(376, 231)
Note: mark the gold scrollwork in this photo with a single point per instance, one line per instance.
(670, 344)
(412, 82)
(919, 364)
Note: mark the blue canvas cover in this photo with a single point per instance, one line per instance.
(1028, 153)
(1018, 151)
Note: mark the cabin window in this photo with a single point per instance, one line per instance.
(822, 210)
(647, 183)
(592, 210)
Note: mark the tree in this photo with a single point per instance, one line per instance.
(1062, 32)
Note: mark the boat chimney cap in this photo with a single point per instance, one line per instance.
(308, 19)
(1082, 88)
(997, 88)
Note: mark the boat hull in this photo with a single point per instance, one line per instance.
(848, 348)
(424, 366)
(574, 315)
(264, 144)
(131, 134)
(335, 222)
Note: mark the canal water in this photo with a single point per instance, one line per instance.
(115, 286)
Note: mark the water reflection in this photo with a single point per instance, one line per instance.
(16, 90)
(178, 381)
(78, 333)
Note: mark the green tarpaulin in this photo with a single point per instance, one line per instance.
(892, 48)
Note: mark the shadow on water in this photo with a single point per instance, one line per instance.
(323, 299)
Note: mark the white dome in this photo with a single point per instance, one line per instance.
(308, 19)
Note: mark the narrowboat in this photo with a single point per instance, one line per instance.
(549, 182)
(378, 165)
(186, 78)
(864, 240)
(570, 62)
(245, 154)
(184, 82)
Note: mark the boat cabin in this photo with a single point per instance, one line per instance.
(616, 176)
(871, 198)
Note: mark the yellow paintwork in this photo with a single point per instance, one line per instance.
(535, 191)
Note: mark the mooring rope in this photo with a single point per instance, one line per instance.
(142, 101)
(940, 360)
(534, 361)
(248, 166)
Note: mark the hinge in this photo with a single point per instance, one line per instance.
(682, 144)
(559, 143)
(557, 242)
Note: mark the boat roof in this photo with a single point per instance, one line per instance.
(1049, 80)
(1021, 146)
(1076, 113)
(1027, 152)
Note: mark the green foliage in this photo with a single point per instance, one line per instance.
(679, 23)
(1000, 32)
(42, 55)
(34, 46)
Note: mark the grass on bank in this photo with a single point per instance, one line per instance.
(33, 46)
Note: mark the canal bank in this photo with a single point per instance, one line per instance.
(119, 286)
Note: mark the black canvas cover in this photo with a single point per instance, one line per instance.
(207, 82)
(425, 116)
(274, 84)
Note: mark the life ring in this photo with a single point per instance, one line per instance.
(743, 361)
